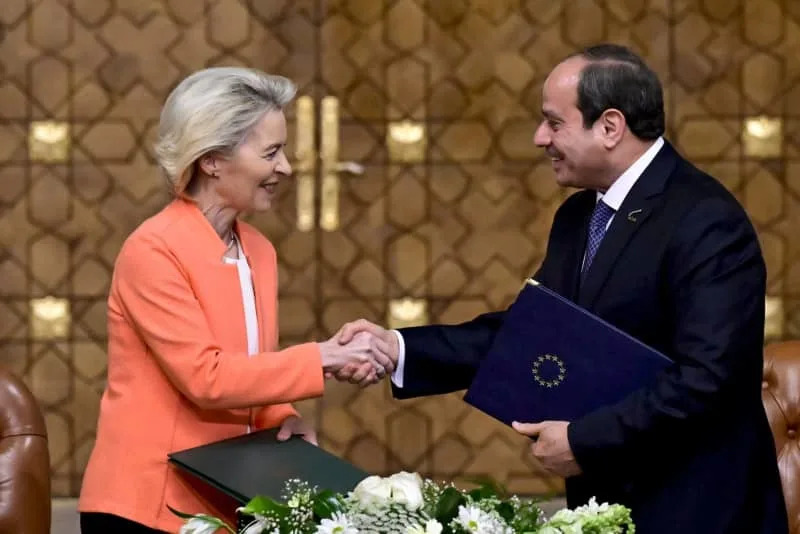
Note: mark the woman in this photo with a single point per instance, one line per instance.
(192, 311)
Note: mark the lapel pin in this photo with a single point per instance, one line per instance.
(632, 215)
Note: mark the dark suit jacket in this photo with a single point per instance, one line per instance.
(684, 274)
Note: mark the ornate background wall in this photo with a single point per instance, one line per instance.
(450, 213)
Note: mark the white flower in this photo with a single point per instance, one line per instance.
(337, 524)
(474, 520)
(565, 515)
(199, 525)
(592, 508)
(373, 490)
(567, 521)
(431, 527)
(256, 526)
(406, 489)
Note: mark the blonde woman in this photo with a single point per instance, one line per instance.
(192, 311)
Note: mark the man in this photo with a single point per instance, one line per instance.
(665, 253)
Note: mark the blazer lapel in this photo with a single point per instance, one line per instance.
(204, 252)
(634, 211)
(264, 288)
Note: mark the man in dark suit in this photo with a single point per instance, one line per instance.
(664, 252)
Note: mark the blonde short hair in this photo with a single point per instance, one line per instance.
(213, 110)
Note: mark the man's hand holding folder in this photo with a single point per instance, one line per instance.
(551, 446)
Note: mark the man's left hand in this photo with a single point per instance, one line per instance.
(295, 426)
(551, 446)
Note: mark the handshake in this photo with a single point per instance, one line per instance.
(360, 352)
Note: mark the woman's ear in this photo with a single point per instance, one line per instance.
(209, 164)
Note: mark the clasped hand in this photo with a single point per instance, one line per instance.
(361, 352)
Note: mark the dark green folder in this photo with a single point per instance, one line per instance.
(258, 464)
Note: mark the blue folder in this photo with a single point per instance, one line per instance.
(553, 360)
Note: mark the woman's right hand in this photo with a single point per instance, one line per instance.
(364, 347)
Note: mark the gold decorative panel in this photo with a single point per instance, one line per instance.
(49, 141)
(407, 312)
(457, 229)
(406, 141)
(773, 318)
(763, 137)
(306, 162)
(50, 318)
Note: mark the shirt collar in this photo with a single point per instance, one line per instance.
(622, 185)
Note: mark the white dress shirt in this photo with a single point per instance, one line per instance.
(613, 198)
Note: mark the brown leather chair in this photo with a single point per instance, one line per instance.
(781, 395)
(24, 461)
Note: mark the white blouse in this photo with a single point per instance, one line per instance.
(248, 298)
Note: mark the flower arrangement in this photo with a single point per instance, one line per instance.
(405, 503)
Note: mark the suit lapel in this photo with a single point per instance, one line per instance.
(574, 258)
(623, 227)
(560, 269)
(638, 205)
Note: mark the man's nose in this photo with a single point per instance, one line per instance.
(541, 137)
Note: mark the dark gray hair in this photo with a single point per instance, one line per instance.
(617, 78)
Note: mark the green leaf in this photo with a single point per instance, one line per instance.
(506, 511)
(326, 503)
(205, 517)
(484, 492)
(486, 483)
(182, 515)
(447, 507)
(264, 506)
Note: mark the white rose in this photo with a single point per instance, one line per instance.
(256, 527)
(373, 490)
(199, 525)
(433, 527)
(406, 489)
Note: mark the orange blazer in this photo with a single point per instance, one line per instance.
(179, 374)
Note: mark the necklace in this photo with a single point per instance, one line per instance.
(230, 239)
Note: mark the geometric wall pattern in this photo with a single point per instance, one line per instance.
(459, 230)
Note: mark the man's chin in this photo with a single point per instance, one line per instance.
(565, 179)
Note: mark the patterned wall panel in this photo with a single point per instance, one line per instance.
(453, 234)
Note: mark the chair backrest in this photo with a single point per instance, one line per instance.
(24, 461)
(781, 395)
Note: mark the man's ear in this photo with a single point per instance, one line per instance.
(209, 164)
(612, 125)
